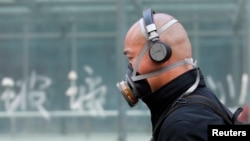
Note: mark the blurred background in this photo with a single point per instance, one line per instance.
(60, 61)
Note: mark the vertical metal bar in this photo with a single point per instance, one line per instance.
(246, 42)
(73, 48)
(121, 64)
(237, 51)
(246, 50)
(25, 64)
(236, 58)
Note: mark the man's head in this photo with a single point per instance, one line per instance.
(137, 42)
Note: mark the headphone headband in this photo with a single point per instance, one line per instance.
(148, 16)
(149, 24)
(159, 31)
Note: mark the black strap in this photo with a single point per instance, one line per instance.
(197, 99)
(236, 114)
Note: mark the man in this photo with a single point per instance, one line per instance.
(161, 72)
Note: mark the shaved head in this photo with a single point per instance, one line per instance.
(175, 36)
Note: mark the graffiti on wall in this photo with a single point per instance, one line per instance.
(231, 93)
(88, 95)
(21, 95)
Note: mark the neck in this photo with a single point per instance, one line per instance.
(162, 79)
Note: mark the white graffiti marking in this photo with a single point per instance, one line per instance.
(89, 97)
(243, 90)
(231, 89)
(17, 95)
(9, 94)
(37, 92)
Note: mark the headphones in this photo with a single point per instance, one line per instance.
(158, 50)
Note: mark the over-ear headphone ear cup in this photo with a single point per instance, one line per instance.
(159, 51)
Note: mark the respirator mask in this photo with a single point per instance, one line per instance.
(135, 86)
(133, 90)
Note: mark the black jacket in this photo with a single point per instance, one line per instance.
(188, 123)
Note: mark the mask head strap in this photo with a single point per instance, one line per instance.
(188, 61)
(160, 30)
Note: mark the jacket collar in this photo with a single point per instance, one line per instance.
(162, 99)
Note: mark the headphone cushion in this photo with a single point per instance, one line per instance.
(159, 51)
